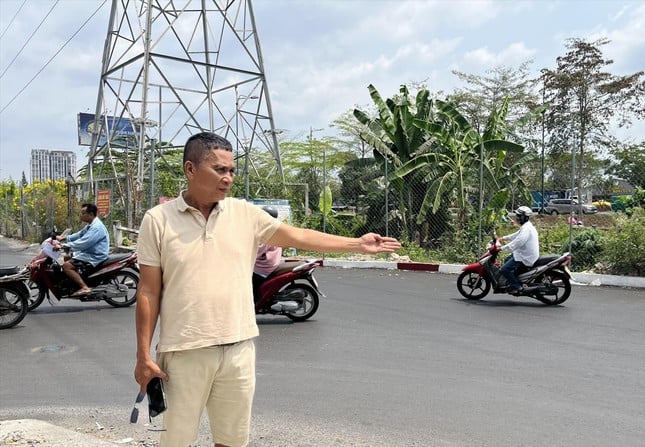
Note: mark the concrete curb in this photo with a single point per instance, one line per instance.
(581, 279)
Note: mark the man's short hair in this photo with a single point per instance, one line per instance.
(199, 145)
(91, 208)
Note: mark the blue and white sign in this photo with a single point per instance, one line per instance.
(118, 127)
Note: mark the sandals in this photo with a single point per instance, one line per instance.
(82, 292)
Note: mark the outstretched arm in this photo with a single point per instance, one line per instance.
(306, 239)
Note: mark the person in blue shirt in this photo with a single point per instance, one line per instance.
(90, 246)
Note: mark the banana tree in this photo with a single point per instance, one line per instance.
(455, 159)
(396, 140)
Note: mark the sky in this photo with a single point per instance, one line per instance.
(319, 56)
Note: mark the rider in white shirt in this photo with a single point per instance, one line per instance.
(524, 246)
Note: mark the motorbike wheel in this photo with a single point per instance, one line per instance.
(561, 281)
(36, 295)
(309, 303)
(125, 278)
(14, 305)
(472, 286)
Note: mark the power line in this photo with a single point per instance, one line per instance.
(12, 19)
(52, 58)
(29, 39)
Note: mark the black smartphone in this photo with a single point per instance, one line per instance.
(156, 397)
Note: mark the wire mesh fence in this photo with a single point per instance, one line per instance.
(605, 234)
(451, 227)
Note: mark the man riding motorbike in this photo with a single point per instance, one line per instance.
(524, 246)
(90, 247)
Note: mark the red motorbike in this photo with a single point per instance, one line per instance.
(548, 280)
(291, 290)
(114, 280)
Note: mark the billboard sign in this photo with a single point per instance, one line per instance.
(103, 197)
(119, 127)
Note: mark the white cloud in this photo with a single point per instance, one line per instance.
(319, 55)
(512, 55)
(627, 46)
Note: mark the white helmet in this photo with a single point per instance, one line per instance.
(524, 210)
(523, 214)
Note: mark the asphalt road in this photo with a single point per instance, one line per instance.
(391, 358)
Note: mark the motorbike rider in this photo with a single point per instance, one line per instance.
(524, 246)
(267, 260)
(90, 247)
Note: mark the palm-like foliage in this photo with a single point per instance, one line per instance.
(439, 160)
(455, 160)
(396, 140)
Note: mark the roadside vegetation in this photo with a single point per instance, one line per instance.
(437, 170)
(609, 243)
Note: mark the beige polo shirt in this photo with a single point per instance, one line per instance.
(207, 266)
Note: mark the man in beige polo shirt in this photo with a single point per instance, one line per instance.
(196, 255)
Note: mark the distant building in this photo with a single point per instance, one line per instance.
(52, 165)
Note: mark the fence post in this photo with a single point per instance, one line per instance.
(118, 233)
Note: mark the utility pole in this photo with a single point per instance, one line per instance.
(324, 186)
(542, 192)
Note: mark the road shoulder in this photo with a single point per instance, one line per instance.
(31, 432)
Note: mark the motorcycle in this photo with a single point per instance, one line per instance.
(14, 296)
(114, 280)
(548, 280)
(284, 292)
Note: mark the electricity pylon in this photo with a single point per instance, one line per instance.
(172, 68)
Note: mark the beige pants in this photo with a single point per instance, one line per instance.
(218, 378)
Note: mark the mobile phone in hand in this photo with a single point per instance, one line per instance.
(156, 397)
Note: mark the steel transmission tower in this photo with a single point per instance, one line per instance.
(172, 68)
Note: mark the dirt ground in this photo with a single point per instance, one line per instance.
(599, 220)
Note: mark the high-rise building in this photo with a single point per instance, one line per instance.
(52, 165)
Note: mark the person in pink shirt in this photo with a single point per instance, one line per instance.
(267, 260)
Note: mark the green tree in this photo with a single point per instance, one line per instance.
(349, 135)
(44, 207)
(584, 101)
(630, 164)
(396, 140)
(307, 163)
(487, 92)
(9, 214)
(515, 87)
(451, 159)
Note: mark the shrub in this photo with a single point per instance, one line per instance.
(625, 247)
(554, 240)
(416, 253)
(586, 247)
